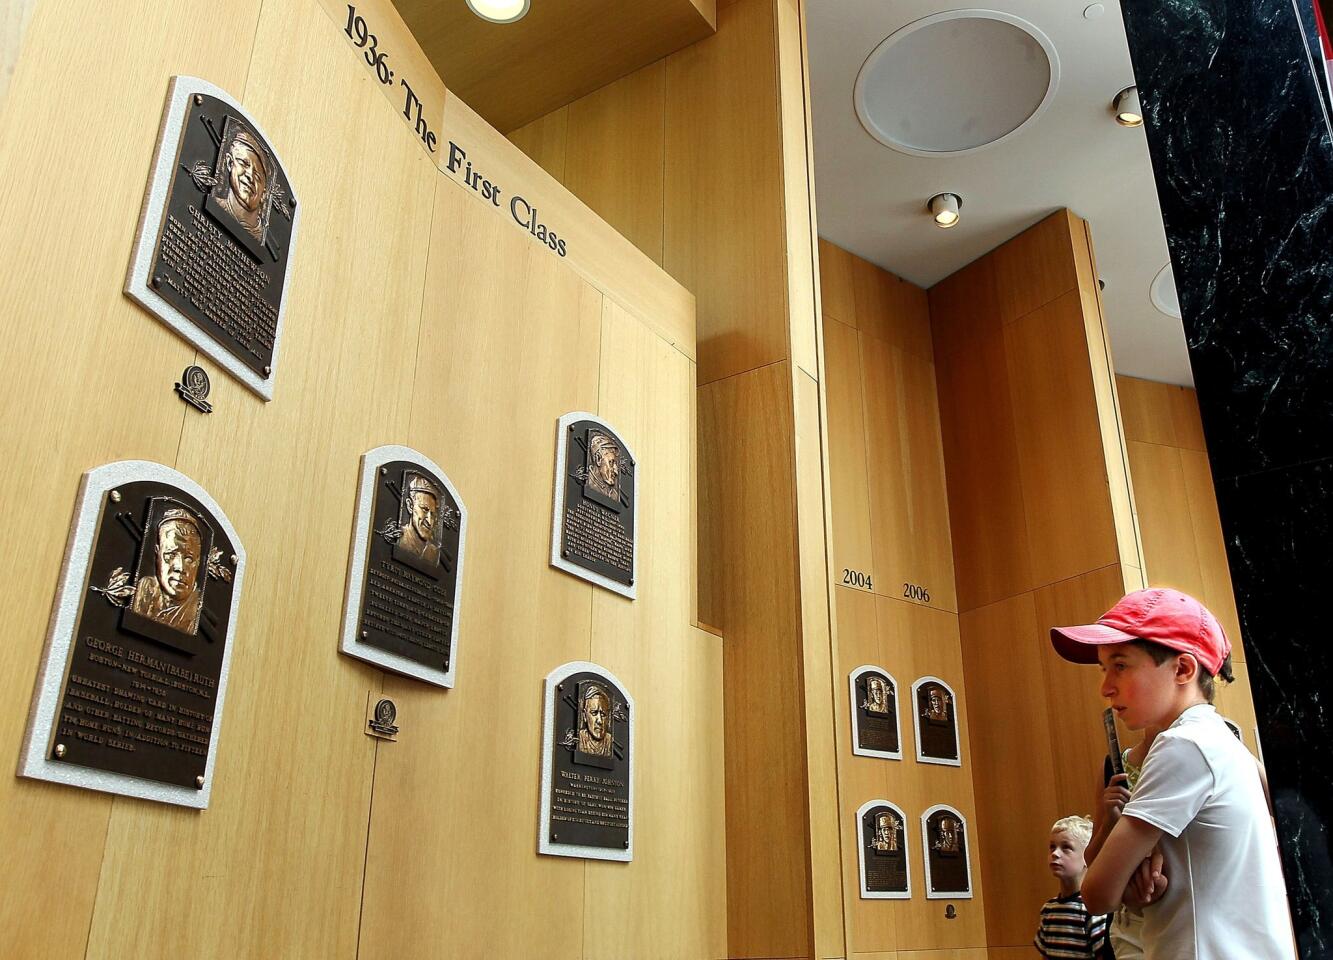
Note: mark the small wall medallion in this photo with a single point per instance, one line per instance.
(382, 714)
(193, 388)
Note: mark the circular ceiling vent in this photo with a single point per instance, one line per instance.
(955, 82)
(1163, 292)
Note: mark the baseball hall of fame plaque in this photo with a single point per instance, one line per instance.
(886, 872)
(875, 731)
(405, 571)
(587, 798)
(936, 722)
(593, 520)
(944, 842)
(217, 233)
(130, 694)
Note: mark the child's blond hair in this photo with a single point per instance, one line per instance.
(1077, 827)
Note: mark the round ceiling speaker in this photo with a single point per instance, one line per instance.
(955, 82)
(1163, 292)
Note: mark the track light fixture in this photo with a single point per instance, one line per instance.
(499, 11)
(1128, 113)
(944, 208)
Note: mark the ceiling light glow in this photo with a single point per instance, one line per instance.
(944, 208)
(1128, 112)
(499, 11)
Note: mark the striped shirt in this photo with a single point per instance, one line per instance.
(1067, 930)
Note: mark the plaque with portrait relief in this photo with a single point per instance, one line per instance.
(587, 793)
(593, 521)
(886, 869)
(874, 710)
(217, 233)
(405, 569)
(936, 722)
(132, 683)
(944, 841)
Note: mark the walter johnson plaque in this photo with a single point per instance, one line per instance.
(406, 566)
(885, 868)
(587, 799)
(936, 722)
(132, 685)
(217, 233)
(593, 522)
(874, 699)
(944, 841)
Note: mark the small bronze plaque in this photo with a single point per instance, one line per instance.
(948, 872)
(587, 787)
(381, 717)
(593, 527)
(217, 233)
(936, 722)
(885, 869)
(406, 566)
(874, 702)
(145, 635)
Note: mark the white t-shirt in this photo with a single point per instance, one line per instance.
(1225, 899)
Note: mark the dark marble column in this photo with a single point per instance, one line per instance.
(1244, 165)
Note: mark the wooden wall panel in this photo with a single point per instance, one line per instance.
(849, 471)
(1160, 413)
(836, 283)
(544, 141)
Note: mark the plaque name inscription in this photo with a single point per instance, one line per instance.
(945, 844)
(874, 712)
(587, 796)
(936, 722)
(134, 676)
(406, 565)
(596, 507)
(217, 233)
(885, 864)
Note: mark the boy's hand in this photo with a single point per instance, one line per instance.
(1114, 798)
(1148, 883)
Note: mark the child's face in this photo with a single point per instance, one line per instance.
(1066, 858)
(1140, 690)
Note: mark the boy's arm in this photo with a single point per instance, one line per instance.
(1129, 843)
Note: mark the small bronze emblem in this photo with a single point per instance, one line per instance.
(193, 388)
(382, 719)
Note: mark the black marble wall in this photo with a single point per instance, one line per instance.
(1244, 165)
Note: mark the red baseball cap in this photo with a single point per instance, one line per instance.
(1167, 617)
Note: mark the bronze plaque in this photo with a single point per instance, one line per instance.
(595, 508)
(875, 714)
(948, 873)
(936, 722)
(885, 873)
(217, 233)
(405, 567)
(145, 649)
(587, 794)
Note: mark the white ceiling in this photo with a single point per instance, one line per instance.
(872, 199)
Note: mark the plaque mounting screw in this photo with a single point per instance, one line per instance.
(384, 471)
(199, 782)
(560, 686)
(198, 100)
(115, 496)
(235, 559)
(626, 844)
(268, 371)
(555, 836)
(61, 750)
(365, 634)
(157, 282)
(564, 553)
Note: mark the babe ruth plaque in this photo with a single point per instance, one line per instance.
(944, 840)
(406, 566)
(132, 685)
(593, 520)
(587, 797)
(886, 873)
(874, 711)
(936, 722)
(217, 233)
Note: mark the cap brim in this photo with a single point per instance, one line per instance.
(1079, 644)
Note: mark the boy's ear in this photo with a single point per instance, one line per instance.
(1187, 669)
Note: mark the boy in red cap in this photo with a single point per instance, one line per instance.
(1219, 894)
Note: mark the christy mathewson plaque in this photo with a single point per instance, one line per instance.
(217, 232)
(593, 522)
(129, 699)
(587, 799)
(405, 571)
(936, 722)
(944, 843)
(875, 731)
(886, 871)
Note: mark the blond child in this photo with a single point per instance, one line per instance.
(1067, 929)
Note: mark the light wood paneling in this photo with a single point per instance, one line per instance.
(14, 19)
(1164, 517)
(723, 243)
(965, 309)
(1028, 952)
(513, 73)
(836, 284)
(544, 141)
(798, 199)
(848, 467)
(1206, 527)
(1160, 413)
(1035, 267)
(891, 309)
(87, 379)
(909, 515)
(616, 144)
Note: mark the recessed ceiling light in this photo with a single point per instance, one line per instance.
(944, 208)
(1128, 113)
(499, 11)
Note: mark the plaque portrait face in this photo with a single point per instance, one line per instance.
(882, 852)
(594, 515)
(134, 677)
(243, 173)
(603, 465)
(419, 518)
(874, 713)
(587, 795)
(948, 870)
(936, 722)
